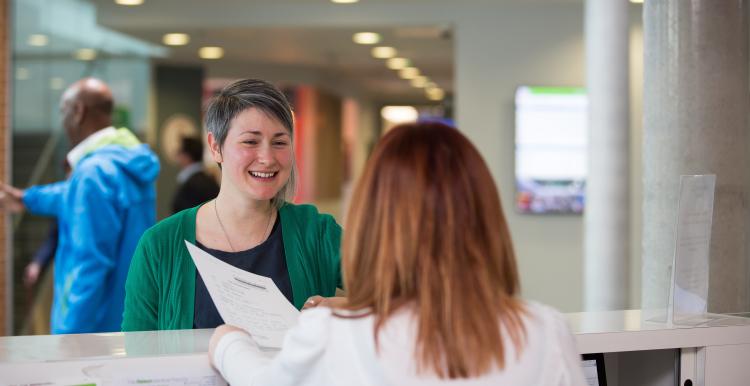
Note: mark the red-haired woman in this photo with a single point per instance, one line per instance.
(432, 286)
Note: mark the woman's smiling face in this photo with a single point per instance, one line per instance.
(257, 156)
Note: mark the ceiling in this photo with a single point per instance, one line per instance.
(279, 49)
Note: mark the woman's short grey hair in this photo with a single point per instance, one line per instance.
(240, 96)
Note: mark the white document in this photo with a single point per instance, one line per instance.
(590, 372)
(246, 300)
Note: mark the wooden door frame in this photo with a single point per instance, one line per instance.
(6, 241)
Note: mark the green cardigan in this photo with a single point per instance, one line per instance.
(160, 289)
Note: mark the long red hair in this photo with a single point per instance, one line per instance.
(426, 229)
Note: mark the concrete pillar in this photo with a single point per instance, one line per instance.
(696, 122)
(606, 218)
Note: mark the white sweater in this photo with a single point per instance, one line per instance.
(324, 349)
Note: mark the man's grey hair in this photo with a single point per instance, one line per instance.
(252, 93)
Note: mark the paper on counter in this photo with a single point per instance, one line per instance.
(183, 370)
(590, 372)
(246, 300)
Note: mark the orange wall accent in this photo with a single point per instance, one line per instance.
(317, 139)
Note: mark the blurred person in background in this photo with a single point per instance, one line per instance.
(432, 286)
(101, 210)
(44, 255)
(195, 186)
(249, 225)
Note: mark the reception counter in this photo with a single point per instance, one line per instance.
(714, 352)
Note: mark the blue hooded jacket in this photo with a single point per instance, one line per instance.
(102, 210)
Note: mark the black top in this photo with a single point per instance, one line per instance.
(199, 188)
(267, 259)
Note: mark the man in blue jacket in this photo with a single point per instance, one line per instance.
(102, 210)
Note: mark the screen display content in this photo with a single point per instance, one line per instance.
(551, 149)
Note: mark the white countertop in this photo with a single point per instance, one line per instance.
(615, 331)
(607, 331)
(106, 345)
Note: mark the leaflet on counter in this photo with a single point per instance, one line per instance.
(246, 300)
(177, 370)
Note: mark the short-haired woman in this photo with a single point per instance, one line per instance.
(432, 286)
(249, 225)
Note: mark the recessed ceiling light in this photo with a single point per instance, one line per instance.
(366, 38)
(85, 54)
(636, 1)
(129, 2)
(399, 114)
(176, 39)
(56, 83)
(211, 52)
(23, 73)
(420, 81)
(409, 72)
(397, 63)
(435, 94)
(344, 1)
(383, 52)
(38, 40)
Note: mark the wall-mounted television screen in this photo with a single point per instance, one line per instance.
(551, 149)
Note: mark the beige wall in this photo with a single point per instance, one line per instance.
(492, 60)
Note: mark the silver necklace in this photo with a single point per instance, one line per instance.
(226, 235)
